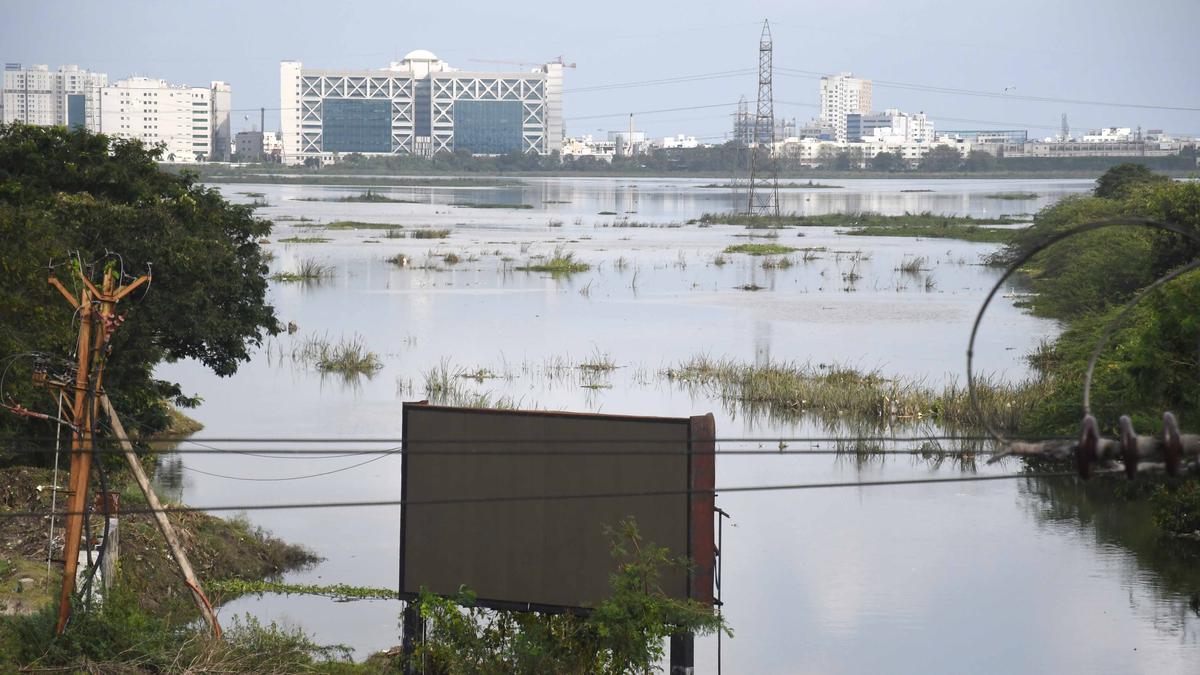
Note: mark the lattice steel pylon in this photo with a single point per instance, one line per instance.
(764, 180)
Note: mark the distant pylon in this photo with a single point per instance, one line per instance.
(764, 180)
(1066, 130)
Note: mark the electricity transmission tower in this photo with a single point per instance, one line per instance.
(764, 180)
(1066, 130)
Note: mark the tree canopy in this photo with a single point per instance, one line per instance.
(76, 196)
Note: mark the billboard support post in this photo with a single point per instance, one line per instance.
(411, 636)
(683, 654)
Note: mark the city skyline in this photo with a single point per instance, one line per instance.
(1097, 61)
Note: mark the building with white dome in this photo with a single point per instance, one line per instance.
(418, 105)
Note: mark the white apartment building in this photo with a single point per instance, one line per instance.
(814, 152)
(841, 95)
(37, 95)
(680, 142)
(187, 121)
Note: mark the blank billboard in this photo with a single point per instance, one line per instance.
(471, 516)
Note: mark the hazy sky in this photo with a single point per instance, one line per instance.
(1095, 50)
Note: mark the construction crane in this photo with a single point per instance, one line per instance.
(559, 60)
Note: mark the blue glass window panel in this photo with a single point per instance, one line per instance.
(488, 127)
(356, 125)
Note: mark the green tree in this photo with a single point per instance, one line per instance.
(625, 634)
(978, 160)
(888, 161)
(941, 158)
(1117, 182)
(72, 195)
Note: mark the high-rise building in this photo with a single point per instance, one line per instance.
(37, 95)
(420, 106)
(842, 95)
(187, 121)
(222, 139)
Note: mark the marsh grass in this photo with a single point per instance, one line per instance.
(598, 362)
(1012, 196)
(484, 205)
(347, 356)
(914, 264)
(360, 225)
(372, 197)
(792, 389)
(304, 240)
(307, 269)
(444, 385)
(760, 249)
(777, 263)
(560, 263)
(428, 233)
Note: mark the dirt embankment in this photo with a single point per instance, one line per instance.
(218, 548)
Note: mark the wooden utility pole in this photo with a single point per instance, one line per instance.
(96, 323)
(160, 518)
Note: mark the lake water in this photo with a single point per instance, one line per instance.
(997, 576)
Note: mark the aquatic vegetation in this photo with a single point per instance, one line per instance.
(307, 269)
(372, 197)
(428, 233)
(359, 225)
(469, 205)
(1014, 196)
(599, 362)
(760, 249)
(914, 264)
(347, 356)
(561, 262)
(304, 240)
(832, 390)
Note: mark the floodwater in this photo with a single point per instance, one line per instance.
(996, 576)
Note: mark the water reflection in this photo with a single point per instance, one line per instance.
(1164, 565)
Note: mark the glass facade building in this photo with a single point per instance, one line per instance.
(487, 127)
(421, 106)
(362, 125)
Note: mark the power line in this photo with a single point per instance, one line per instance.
(665, 80)
(559, 497)
(957, 91)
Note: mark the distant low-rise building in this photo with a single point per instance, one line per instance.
(586, 146)
(37, 95)
(679, 142)
(187, 121)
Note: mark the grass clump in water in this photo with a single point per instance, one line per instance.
(359, 225)
(308, 269)
(562, 262)
(372, 197)
(347, 356)
(304, 240)
(469, 205)
(760, 249)
(428, 233)
(1013, 196)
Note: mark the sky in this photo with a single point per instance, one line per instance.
(1074, 51)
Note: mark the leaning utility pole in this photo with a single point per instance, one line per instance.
(764, 181)
(97, 321)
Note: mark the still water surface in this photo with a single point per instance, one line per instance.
(1000, 576)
